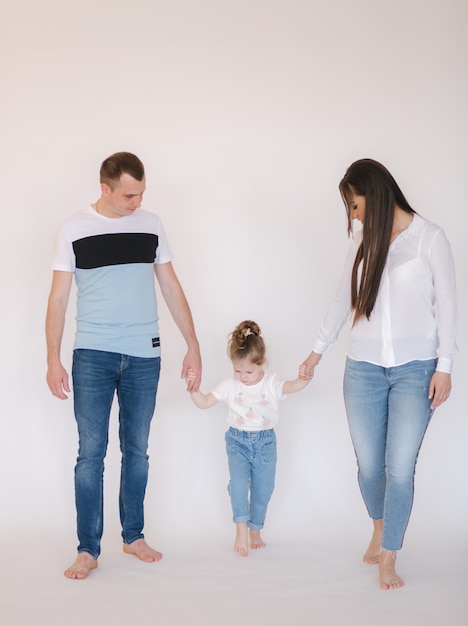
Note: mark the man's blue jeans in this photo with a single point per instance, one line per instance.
(97, 376)
(388, 412)
(252, 467)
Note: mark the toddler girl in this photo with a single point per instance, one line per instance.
(252, 396)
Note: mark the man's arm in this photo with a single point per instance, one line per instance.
(178, 306)
(57, 377)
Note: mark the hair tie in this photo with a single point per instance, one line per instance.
(248, 331)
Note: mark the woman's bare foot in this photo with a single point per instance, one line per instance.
(142, 550)
(82, 566)
(372, 554)
(389, 579)
(241, 542)
(255, 540)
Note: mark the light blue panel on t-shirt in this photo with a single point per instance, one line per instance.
(117, 310)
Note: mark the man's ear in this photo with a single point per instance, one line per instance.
(105, 189)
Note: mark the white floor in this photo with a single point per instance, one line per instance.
(203, 582)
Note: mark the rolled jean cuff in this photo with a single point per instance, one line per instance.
(255, 526)
(136, 538)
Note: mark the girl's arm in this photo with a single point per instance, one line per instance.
(291, 386)
(201, 400)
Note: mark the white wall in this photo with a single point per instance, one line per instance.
(246, 115)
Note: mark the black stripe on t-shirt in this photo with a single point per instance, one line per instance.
(115, 249)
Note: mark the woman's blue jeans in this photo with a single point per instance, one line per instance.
(252, 467)
(388, 412)
(97, 375)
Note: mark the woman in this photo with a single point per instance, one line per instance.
(398, 287)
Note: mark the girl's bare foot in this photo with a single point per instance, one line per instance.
(255, 540)
(372, 554)
(142, 550)
(83, 564)
(389, 579)
(241, 542)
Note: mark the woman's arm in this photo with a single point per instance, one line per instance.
(306, 370)
(446, 316)
(445, 297)
(338, 313)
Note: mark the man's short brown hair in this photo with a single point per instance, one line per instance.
(121, 163)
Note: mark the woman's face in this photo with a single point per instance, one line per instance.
(357, 207)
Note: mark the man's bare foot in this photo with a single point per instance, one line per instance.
(142, 550)
(82, 566)
(372, 554)
(241, 542)
(389, 579)
(255, 540)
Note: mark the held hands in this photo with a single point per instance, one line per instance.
(192, 364)
(306, 370)
(190, 378)
(301, 382)
(201, 400)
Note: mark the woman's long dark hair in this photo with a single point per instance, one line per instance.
(372, 180)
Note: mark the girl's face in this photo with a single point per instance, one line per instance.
(247, 372)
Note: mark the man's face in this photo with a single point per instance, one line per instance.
(125, 198)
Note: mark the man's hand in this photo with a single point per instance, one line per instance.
(57, 379)
(192, 369)
(190, 377)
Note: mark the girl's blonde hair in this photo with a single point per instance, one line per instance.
(246, 341)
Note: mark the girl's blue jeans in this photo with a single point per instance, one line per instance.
(97, 376)
(388, 412)
(252, 467)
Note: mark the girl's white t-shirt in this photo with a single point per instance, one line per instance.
(251, 407)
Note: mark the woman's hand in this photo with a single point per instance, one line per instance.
(439, 388)
(306, 370)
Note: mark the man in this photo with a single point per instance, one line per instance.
(112, 248)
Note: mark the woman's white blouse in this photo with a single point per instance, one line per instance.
(415, 316)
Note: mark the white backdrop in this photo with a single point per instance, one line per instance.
(246, 114)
